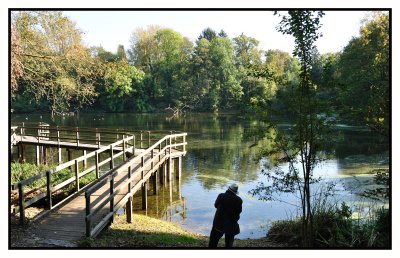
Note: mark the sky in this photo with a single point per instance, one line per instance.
(111, 28)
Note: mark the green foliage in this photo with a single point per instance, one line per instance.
(382, 179)
(57, 68)
(22, 171)
(52, 70)
(364, 68)
(121, 80)
(216, 77)
(334, 228)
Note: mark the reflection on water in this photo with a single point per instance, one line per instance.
(222, 150)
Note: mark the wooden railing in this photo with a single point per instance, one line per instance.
(46, 191)
(80, 135)
(131, 176)
(25, 195)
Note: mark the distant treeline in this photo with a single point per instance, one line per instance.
(52, 71)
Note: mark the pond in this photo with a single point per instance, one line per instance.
(220, 152)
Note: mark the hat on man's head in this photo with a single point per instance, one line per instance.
(234, 188)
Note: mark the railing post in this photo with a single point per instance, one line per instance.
(128, 208)
(141, 139)
(77, 136)
(21, 204)
(87, 218)
(84, 159)
(97, 164)
(111, 156)
(152, 156)
(38, 135)
(37, 155)
(123, 147)
(170, 143)
(59, 149)
(159, 152)
(98, 138)
(112, 198)
(49, 200)
(184, 141)
(134, 145)
(77, 174)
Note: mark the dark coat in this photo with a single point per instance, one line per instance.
(229, 207)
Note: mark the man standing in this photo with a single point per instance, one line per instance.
(229, 207)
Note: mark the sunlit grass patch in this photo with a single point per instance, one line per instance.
(145, 232)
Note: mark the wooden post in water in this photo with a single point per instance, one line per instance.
(144, 195)
(178, 169)
(168, 169)
(170, 191)
(165, 174)
(161, 171)
(154, 183)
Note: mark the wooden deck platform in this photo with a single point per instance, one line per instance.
(88, 210)
(66, 226)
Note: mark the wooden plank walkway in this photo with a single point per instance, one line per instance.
(88, 210)
(66, 226)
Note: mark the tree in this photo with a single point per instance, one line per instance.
(121, 55)
(215, 74)
(301, 146)
(57, 68)
(208, 34)
(255, 78)
(16, 56)
(164, 54)
(121, 80)
(364, 71)
(103, 55)
(284, 70)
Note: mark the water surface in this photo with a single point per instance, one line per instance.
(221, 151)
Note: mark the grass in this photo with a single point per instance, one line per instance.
(145, 232)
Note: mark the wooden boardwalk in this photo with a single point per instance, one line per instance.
(88, 211)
